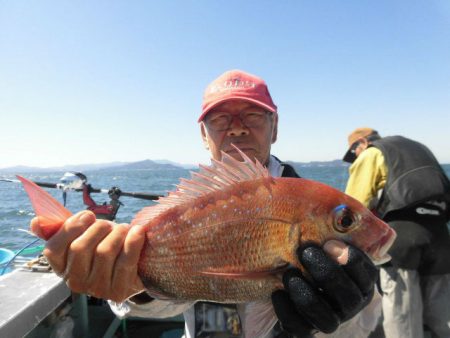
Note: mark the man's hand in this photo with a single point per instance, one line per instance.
(96, 257)
(338, 283)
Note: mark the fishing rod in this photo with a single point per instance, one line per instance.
(77, 181)
(41, 184)
(63, 186)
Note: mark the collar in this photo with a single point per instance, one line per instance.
(274, 167)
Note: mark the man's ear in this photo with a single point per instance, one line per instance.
(275, 128)
(204, 135)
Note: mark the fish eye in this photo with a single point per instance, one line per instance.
(343, 218)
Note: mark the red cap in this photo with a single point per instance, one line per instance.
(236, 84)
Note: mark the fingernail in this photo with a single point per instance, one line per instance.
(87, 217)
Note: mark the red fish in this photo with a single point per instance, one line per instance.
(226, 234)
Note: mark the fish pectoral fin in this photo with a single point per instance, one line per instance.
(254, 274)
(157, 293)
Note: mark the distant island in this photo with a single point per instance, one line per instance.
(147, 165)
(334, 163)
(139, 165)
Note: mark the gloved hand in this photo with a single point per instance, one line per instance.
(328, 293)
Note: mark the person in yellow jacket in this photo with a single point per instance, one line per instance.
(400, 180)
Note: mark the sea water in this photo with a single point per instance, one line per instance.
(16, 211)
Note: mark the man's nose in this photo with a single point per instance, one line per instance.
(237, 128)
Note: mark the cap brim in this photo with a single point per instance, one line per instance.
(349, 157)
(216, 103)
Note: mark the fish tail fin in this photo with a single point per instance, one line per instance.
(50, 212)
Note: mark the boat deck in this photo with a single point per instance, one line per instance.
(27, 298)
(39, 304)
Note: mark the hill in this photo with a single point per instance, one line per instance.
(145, 165)
(334, 163)
(140, 165)
(157, 165)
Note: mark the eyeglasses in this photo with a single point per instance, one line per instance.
(221, 121)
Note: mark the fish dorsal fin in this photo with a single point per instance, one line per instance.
(216, 177)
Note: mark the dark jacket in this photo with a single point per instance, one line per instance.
(288, 171)
(414, 175)
(415, 183)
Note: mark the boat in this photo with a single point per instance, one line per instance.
(37, 303)
(5, 257)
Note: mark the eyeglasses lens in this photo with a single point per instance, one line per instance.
(219, 121)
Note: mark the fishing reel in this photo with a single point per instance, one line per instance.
(114, 193)
(71, 180)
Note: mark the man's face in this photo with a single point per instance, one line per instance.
(252, 129)
(360, 146)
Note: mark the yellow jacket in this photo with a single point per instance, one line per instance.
(367, 175)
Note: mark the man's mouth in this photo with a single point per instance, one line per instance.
(241, 148)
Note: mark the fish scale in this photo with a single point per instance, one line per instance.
(249, 228)
(198, 255)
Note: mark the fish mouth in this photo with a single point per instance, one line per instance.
(378, 251)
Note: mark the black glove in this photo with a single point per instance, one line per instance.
(329, 295)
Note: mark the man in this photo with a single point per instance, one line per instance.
(403, 183)
(100, 259)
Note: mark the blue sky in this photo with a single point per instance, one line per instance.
(100, 81)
